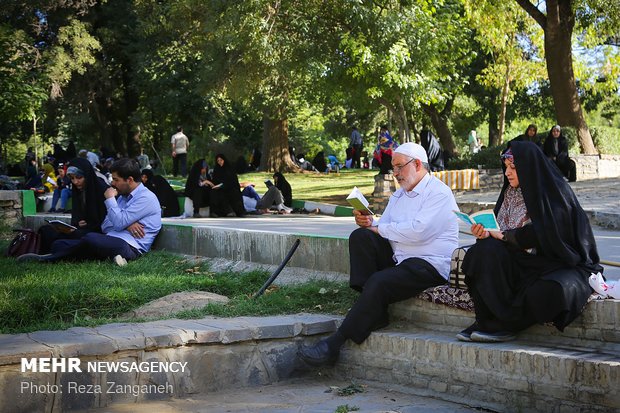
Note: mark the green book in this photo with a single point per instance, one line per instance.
(359, 202)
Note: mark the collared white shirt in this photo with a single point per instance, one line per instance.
(142, 206)
(420, 223)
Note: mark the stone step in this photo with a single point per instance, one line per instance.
(512, 376)
(598, 327)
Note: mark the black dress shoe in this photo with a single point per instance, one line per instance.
(318, 354)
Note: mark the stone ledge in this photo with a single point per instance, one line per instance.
(598, 327)
(112, 338)
(513, 376)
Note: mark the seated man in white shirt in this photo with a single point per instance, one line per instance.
(395, 258)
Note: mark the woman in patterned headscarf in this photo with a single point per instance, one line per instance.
(384, 150)
(536, 269)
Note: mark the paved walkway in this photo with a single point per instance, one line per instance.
(308, 395)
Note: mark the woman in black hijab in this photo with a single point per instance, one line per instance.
(284, 187)
(431, 145)
(319, 162)
(166, 196)
(556, 149)
(197, 186)
(88, 205)
(225, 190)
(536, 269)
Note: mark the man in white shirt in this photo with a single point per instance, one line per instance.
(395, 258)
(180, 146)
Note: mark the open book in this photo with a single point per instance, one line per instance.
(61, 226)
(358, 201)
(486, 218)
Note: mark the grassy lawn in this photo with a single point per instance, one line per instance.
(36, 296)
(326, 188)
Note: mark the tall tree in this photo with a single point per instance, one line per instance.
(558, 24)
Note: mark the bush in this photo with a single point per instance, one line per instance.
(487, 158)
(606, 139)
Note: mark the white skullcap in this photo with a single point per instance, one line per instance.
(413, 150)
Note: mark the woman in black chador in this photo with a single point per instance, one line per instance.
(88, 208)
(284, 187)
(225, 190)
(536, 269)
(431, 145)
(197, 186)
(166, 196)
(556, 149)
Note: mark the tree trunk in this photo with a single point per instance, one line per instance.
(275, 156)
(493, 129)
(403, 119)
(440, 124)
(558, 26)
(504, 104)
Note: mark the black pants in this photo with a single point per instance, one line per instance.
(92, 246)
(182, 159)
(357, 152)
(381, 282)
(49, 235)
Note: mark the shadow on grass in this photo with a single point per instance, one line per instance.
(37, 296)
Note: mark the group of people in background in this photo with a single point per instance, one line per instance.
(555, 147)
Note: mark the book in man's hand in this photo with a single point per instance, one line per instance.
(486, 218)
(61, 226)
(359, 202)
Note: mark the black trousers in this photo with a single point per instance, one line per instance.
(381, 282)
(357, 152)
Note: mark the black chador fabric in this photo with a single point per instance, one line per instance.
(88, 205)
(284, 187)
(505, 279)
(431, 145)
(227, 198)
(319, 162)
(200, 195)
(164, 192)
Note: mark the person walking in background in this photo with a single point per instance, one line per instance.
(356, 143)
(398, 256)
(473, 142)
(180, 146)
(556, 149)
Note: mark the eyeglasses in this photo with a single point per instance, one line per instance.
(398, 168)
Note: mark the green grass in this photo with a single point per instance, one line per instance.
(328, 188)
(37, 296)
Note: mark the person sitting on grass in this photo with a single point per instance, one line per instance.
(197, 187)
(62, 192)
(536, 269)
(129, 229)
(226, 200)
(88, 210)
(168, 200)
(284, 187)
(252, 201)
